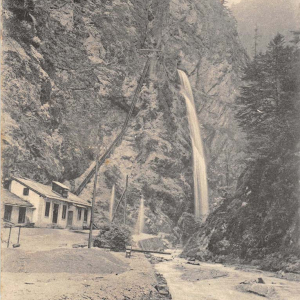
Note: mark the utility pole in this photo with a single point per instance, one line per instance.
(125, 200)
(93, 204)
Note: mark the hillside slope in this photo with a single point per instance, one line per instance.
(71, 68)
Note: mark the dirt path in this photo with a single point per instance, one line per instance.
(46, 267)
(38, 239)
(218, 282)
(136, 283)
(77, 261)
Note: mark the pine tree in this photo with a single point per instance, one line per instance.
(269, 113)
(266, 98)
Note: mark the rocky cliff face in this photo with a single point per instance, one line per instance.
(71, 69)
(260, 224)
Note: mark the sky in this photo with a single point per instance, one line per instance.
(230, 2)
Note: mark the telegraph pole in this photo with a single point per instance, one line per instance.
(93, 204)
(125, 200)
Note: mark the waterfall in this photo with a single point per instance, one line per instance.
(112, 202)
(141, 218)
(199, 166)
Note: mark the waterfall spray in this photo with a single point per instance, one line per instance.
(199, 166)
(112, 202)
(141, 218)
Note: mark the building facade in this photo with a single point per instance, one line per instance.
(52, 206)
(15, 210)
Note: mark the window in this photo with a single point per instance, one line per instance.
(6, 184)
(55, 213)
(85, 215)
(57, 188)
(26, 191)
(65, 193)
(7, 212)
(64, 212)
(47, 209)
(22, 214)
(79, 214)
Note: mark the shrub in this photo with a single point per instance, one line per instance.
(117, 237)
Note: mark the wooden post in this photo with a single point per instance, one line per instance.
(19, 235)
(93, 205)
(125, 204)
(9, 237)
(125, 200)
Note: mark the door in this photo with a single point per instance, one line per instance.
(55, 213)
(22, 214)
(7, 212)
(70, 218)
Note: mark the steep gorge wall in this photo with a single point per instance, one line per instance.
(260, 224)
(71, 68)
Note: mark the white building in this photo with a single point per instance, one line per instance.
(15, 210)
(53, 206)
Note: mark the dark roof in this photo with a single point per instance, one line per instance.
(46, 191)
(11, 199)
